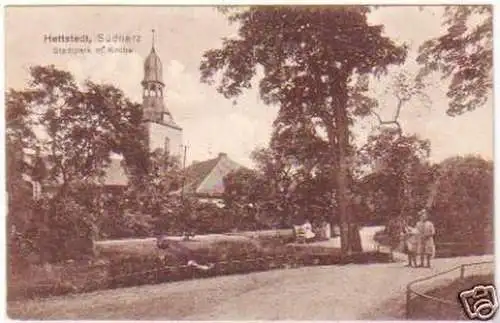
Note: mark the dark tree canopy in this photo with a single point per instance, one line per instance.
(303, 50)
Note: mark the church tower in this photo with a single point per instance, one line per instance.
(162, 131)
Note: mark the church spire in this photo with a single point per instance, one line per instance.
(153, 40)
(161, 132)
(152, 66)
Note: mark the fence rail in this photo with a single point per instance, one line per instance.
(412, 294)
(179, 268)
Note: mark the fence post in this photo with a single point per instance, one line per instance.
(408, 295)
(462, 271)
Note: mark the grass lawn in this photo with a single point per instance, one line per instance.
(425, 309)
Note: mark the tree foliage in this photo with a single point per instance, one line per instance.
(259, 196)
(463, 207)
(399, 174)
(19, 202)
(404, 88)
(148, 203)
(62, 134)
(243, 188)
(75, 128)
(463, 54)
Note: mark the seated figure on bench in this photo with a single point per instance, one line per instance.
(304, 232)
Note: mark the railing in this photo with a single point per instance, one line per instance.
(443, 249)
(412, 294)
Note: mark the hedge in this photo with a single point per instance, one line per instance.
(229, 257)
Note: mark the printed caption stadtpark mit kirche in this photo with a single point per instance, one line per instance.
(86, 43)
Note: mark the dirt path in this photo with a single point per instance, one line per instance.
(313, 293)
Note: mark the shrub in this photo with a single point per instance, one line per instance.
(234, 250)
(70, 277)
(61, 228)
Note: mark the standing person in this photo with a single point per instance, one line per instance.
(426, 247)
(410, 236)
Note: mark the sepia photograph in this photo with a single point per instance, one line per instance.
(249, 162)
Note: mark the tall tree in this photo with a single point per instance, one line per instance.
(390, 150)
(310, 56)
(464, 55)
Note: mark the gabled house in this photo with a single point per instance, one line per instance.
(115, 177)
(205, 180)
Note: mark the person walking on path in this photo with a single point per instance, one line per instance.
(426, 231)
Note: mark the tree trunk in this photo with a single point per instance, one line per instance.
(342, 129)
(354, 238)
(350, 239)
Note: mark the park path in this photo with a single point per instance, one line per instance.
(343, 292)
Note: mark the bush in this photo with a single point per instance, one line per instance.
(74, 277)
(50, 289)
(134, 270)
(209, 218)
(60, 228)
(234, 250)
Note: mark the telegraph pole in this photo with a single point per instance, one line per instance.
(185, 215)
(183, 171)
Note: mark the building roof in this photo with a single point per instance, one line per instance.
(153, 71)
(115, 174)
(168, 120)
(206, 178)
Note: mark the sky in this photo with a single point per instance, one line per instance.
(211, 123)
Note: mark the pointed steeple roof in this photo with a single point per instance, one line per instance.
(153, 70)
